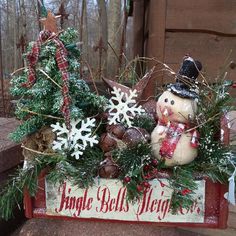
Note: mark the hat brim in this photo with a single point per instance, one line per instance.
(182, 91)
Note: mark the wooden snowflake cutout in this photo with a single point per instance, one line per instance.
(77, 139)
(122, 107)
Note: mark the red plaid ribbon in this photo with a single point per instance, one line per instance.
(62, 63)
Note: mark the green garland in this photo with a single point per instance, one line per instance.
(132, 161)
(183, 184)
(81, 173)
(13, 191)
(144, 121)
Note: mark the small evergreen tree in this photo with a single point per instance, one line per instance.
(40, 103)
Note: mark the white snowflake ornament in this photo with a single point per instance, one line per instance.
(123, 107)
(76, 139)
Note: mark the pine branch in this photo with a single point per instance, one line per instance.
(144, 121)
(13, 191)
(183, 184)
(132, 161)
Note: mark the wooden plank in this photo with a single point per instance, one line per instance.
(230, 231)
(232, 220)
(232, 208)
(156, 40)
(210, 49)
(223, 209)
(138, 28)
(89, 203)
(156, 30)
(138, 34)
(210, 15)
(213, 232)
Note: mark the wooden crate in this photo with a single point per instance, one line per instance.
(210, 209)
(59, 202)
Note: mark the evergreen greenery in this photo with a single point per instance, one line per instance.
(24, 178)
(216, 159)
(144, 121)
(132, 160)
(183, 184)
(41, 104)
(80, 172)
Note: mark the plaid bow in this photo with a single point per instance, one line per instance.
(62, 63)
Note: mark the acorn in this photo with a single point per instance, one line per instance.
(135, 135)
(103, 116)
(117, 130)
(108, 169)
(107, 142)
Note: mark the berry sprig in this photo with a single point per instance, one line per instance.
(139, 184)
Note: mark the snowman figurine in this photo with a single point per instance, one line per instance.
(171, 139)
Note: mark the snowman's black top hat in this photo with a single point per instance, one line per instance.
(185, 79)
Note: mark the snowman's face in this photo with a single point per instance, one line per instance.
(176, 109)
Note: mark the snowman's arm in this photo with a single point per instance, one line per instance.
(194, 139)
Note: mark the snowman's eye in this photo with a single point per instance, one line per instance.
(166, 100)
(172, 102)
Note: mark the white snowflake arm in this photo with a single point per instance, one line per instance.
(77, 152)
(60, 129)
(131, 97)
(89, 139)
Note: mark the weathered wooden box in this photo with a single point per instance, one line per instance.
(106, 200)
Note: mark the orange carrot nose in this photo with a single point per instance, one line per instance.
(165, 112)
(165, 115)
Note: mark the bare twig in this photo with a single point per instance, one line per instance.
(41, 153)
(20, 69)
(203, 123)
(42, 71)
(91, 76)
(38, 114)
